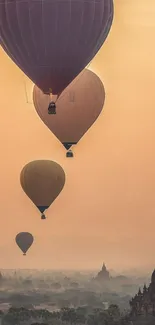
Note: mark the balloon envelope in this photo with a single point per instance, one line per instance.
(24, 241)
(77, 108)
(53, 41)
(42, 181)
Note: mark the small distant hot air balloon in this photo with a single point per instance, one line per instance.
(42, 181)
(24, 240)
(53, 41)
(77, 108)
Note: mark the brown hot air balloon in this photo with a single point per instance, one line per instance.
(24, 240)
(42, 181)
(77, 108)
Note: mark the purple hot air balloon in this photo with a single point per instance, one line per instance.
(52, 41)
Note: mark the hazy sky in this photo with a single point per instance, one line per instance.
(107, 208)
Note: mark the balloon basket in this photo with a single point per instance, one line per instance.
(24, 254)
(52, 108)
(43, 217)
(69, 154)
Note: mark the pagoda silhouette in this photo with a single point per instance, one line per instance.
(103, 275)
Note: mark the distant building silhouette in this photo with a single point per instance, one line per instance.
(1, 278)
(143, 303)
(103, 274)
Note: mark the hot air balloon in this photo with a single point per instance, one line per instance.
(53, 41)
(77, 108)
(24, 241)
(42, 181)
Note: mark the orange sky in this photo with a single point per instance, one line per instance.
(107, 208)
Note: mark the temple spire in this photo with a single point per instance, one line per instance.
(103, 274)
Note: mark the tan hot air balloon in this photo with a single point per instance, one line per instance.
(42, 181)
(77, 108)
